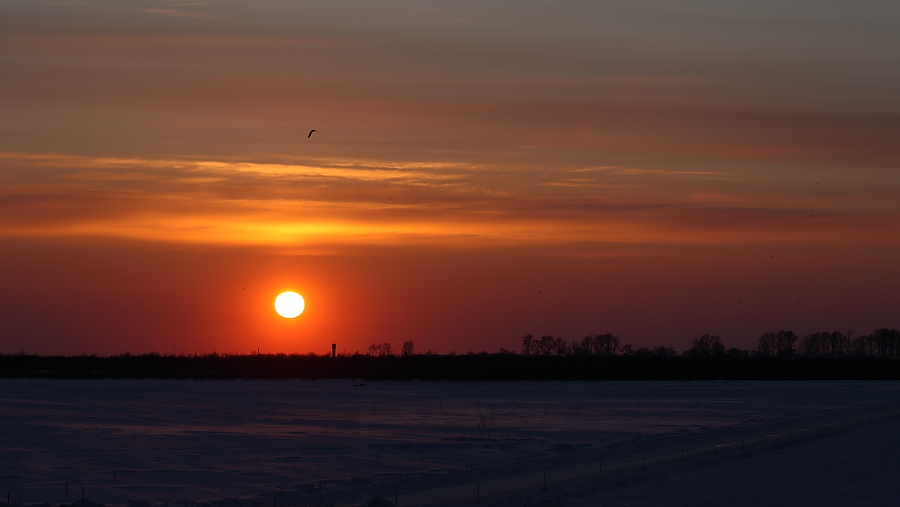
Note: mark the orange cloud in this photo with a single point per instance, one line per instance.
(347, 202)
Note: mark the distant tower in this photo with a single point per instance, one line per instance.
(333, 346)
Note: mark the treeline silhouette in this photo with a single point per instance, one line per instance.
(882, 343)
(779, 355)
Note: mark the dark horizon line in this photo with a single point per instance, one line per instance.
(469, 367)
(882, 342)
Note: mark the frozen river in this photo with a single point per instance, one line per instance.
(164, 441)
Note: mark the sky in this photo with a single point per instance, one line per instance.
(483, 170)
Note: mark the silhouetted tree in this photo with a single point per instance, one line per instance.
(824, 345)
(766, 345)
(549, 346)
(606, 344)
(706, 346)
(559, 347)
(642, 352)
(543, 346)
(737, 353)
(812, 345)
(582, 348)
(886, 342)
(780, 344)
(527, 344)
(380, 349)
(664, 352)
(595, 345)
(784, 344)
(861, 346)
(839, 344)
(409, 348)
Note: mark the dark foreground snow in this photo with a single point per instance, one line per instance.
(255, 444)
(856, 467)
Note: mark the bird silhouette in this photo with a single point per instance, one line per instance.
(310, 133)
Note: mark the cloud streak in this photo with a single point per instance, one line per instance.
(346, 202)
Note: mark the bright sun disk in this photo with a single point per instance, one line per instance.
(289, 304)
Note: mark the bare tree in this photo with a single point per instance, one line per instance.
(706, 346)
(785, 341)
(766, 346)
(664, 352)
(887, 342)
(582, 348)
(527, 348)
(380, 349)
(592, 345)
(550, 346)
(824, 344)
(559, 347)
(606, 344)
(409, 348)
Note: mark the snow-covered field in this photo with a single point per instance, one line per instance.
(178, 441)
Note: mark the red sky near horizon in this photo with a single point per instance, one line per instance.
(484, 170)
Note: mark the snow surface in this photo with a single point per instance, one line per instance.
(182, 442)
(857, 467)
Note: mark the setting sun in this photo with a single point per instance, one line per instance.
(289, 304)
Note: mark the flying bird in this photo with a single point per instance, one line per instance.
(310, 133)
